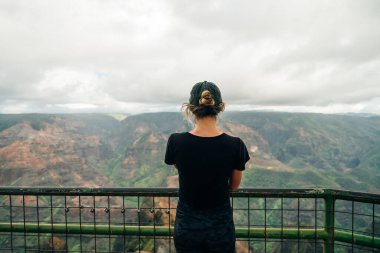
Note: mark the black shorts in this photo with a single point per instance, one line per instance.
(201, 231)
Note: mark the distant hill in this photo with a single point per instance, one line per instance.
(288, 150)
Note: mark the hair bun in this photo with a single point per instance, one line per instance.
(206, 98)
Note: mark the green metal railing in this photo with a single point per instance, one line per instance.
(141, 220)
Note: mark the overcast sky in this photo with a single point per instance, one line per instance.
(140, 56)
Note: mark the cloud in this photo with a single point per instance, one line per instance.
(106, 55)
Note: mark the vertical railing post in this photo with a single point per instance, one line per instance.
(329, 216)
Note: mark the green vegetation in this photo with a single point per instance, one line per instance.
(36, 120)
(293, 149)
(325, 150)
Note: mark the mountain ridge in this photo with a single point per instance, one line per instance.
(288, 150)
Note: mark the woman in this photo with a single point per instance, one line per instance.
(210, 165)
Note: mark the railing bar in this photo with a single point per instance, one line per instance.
(352, 225)
(154, 224)
(306, 193)
(359, 239)
(333, 222)
(38, 224)
(232, 206)
(80, 223)
(298, 224)
(138, 218)
(94, 213)
(249, 226)
(265, 225)
(23, 213)
(329, 219)
(108, 211)
(170, 241)
(123, 211)
(373, 228)
(363, 232)
(241, 232)
(10, 219)
(66, 210)
(363, 199)
(252, 209)
(315, 224)
(350, 229)
(288, 209)
(52, 222)
(282, 224)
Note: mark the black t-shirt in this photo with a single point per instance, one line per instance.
(205, 165)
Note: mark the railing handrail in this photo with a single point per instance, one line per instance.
(162, 191)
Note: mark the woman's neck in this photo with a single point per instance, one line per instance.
(206, 127)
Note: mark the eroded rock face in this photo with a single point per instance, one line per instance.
(60, 153)
(97, 150)
(257, 146)
(54, 244)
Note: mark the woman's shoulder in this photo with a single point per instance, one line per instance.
(174, 135)
(232, 138)
(177, 136)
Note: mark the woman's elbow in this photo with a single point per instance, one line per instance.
(235, 180)
(234, 188)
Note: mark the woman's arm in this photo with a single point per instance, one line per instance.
(235, 179)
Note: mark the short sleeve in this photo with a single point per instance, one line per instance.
(169, 155)
(242, 156)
